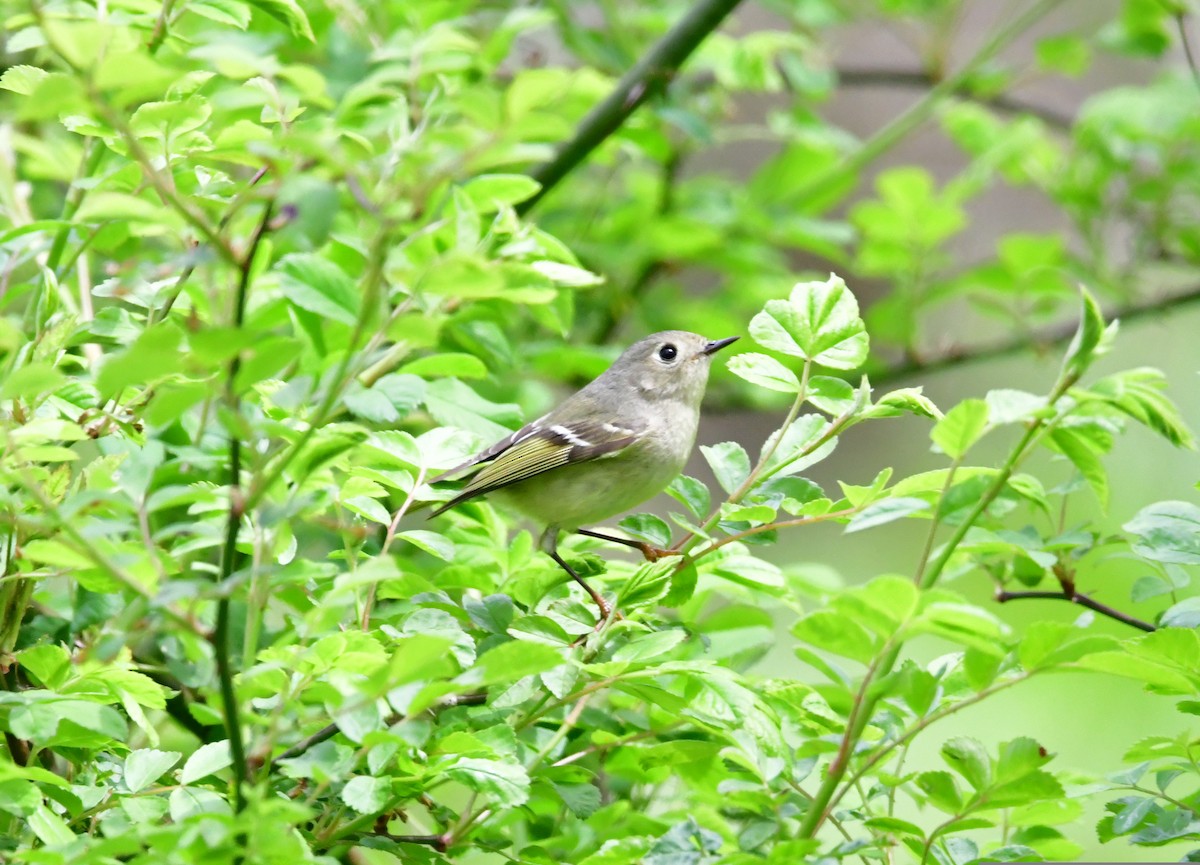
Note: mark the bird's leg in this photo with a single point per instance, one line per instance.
(549, 544)
(651, 552)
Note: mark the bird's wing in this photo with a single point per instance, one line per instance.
(539, 447)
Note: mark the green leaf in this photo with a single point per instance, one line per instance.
(540, 629)
(729, 462)
(649, 528)
(818, 322)
(436, 545)
(19, 797)
(1091, 338)
(155, 354)
(650, 645)
(288, 12)
(764, 371)
(490, 192)
(833, 632)
(941, 790)
(504, 784)
(1078, 450)
(691, 493)
(319, 286)
(1007, 406)
(455, 364)
(206, 760)
(962, 426)
(968, 757)
(1185, 614)
(50, 829)
(31, 381)
(1138, 393)
(582, 800)
(366, 794)
(1167, 532)
(49, 664)
(514, 660)
(146, 765)
(22, 79)
(885, 511)
(961, 623)
(834, 396)
(908, 399)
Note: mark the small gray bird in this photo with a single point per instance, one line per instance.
(609, 447)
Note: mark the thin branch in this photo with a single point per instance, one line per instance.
(649, 77)
(1083, 600)
(221, 633)
(920, 79)
(158, 314)
(331, 730)
(1181, 24)
(1040, 340)
(767, 527)
(365, 619)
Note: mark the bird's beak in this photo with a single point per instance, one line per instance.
(717, 344)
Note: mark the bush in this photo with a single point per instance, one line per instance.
(268, 268)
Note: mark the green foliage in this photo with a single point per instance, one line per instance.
(267, 267)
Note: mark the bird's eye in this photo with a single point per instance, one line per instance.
(668, 352)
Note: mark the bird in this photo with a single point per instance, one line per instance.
(613, 444)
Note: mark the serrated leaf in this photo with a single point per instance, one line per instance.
(431, 542)
(961, 427)
(968, 757)
(514, 660)
(692, 494)
(367, 794)
(649, 528)
(582, 800)
(206, 760)
(290, 13)
(729, 462)
(504, 784)
(764, 371)
(819, 322)
(1167, 532)
(146, 765)
(22, 79)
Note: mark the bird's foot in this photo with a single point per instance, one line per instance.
(653, 553)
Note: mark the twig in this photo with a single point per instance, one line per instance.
(365, 620)
(1077, 598)
(328, 732)
(221, 635)
(908, 78)
(1047, 338)
(438, 842)
(161, 312)
(649, 77)
(768, 527)
(1181, 24)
